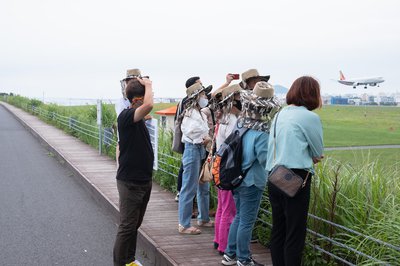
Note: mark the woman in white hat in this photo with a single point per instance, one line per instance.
(259, 107)
(195, 136)
(230, 106)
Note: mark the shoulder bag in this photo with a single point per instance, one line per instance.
(283, 178)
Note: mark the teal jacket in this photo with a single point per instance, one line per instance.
(298, 139)
(254, 158)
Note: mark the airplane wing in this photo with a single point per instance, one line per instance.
(345, 82)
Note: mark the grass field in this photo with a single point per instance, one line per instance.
(357, 125)
(384, 157)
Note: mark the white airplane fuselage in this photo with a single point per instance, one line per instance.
(371, 81)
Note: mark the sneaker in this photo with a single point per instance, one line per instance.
(134, 263)
(177, 197)
(250, 262)
(228, 260)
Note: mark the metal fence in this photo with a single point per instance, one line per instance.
(344, 260)
(108, 138)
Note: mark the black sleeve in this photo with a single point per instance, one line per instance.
(125, 119)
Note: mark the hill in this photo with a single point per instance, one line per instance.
(279, 89)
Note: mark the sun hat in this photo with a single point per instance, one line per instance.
(259, 107)
(263, 89)
(194, 90)
(132, 73)
(252, 73)
(229, 91)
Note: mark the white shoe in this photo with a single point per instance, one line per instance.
(177, 197)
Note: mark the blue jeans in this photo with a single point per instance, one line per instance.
(191, 160)
(247, 201)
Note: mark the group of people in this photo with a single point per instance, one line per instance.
(206, 120)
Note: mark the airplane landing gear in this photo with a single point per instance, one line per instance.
(365, 87)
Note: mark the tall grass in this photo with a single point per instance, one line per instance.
(366, 199)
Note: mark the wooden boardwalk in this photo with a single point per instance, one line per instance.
(159, 236)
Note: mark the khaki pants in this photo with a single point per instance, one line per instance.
(133, 199)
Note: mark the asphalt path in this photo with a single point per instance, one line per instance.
(46, 217)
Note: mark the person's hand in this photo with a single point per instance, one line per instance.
(317, 159)
(145, 81)
(229, 78)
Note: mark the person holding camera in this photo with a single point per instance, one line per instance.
(298, 146)
(135, 171)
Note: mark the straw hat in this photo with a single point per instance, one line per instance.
(229, 91)
(259, 107)
(252, 73)
(263, 90)
(194, 90)
(132, 73)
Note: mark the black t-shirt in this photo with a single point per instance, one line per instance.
(136, 153)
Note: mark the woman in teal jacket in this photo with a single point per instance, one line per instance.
(298, 146)
(259, 107)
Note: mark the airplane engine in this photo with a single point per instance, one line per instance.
(372, 84)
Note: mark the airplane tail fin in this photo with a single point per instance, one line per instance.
(341, 75)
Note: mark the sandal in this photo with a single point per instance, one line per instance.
(205, 224)
(189, 230)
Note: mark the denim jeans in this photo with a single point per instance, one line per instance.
(191, 160)
(247, 201)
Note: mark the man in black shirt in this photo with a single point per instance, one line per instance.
(134, 176)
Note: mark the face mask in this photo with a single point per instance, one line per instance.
(238, 105)
(203, 102)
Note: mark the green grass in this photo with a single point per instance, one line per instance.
(386, 157)
(356, 125)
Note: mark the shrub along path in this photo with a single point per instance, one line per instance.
(159, 237)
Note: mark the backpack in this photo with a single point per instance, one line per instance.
(227, 167)
(177, 145)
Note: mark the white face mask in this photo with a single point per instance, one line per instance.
(203, 102)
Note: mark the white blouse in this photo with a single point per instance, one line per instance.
(194, 127)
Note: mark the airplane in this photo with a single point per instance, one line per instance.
(373, 81)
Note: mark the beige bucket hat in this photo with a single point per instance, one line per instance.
(229, 91)
(132, 73)
(194, 90)
(263, 90)
(259, 107)
(252, 73)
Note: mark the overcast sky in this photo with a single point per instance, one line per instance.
(81, 49)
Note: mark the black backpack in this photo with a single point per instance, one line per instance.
(227, 166)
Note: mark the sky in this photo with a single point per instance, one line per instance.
(81, 49)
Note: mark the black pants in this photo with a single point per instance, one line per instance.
(133, 199)
(289, 220)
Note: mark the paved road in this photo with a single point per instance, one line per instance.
(46, 217)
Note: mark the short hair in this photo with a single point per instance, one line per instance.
(191, 81)
(305, 91)
(134, 89)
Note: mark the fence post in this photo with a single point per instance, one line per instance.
(99, 122)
